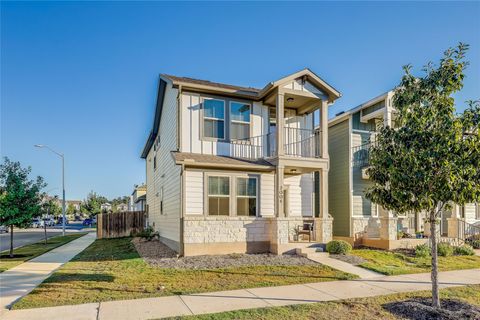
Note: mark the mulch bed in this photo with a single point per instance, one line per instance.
(157, 254)
(421, 309)
(348, 258)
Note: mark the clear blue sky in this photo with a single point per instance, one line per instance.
(81, 77)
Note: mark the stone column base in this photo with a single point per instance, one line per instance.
(388, 228)
(452, 231)
(323, 229)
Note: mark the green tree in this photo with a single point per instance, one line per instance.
(433, 159)
(70, 209)
(93, 202)
(20, 197)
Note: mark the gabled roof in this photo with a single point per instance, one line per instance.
(343, 115)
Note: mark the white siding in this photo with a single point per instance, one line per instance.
(267, 195)
(471, 212)
(300, 194)
(307, 86)
(167, 174)
(194, 192)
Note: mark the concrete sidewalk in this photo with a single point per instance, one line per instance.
(154, 308)
(20, 280)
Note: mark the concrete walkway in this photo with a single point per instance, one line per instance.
(20, 280)
(344, 266)
(154, 308)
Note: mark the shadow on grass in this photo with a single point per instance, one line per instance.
(72, 277)
(277, 274)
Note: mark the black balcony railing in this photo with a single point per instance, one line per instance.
(361, 155)
(298, 143)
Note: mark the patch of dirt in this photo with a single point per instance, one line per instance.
(406, 252)
(355, 260)
(157, 254)
(421, 309)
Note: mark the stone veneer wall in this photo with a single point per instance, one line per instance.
(366, 227)
(222, 235)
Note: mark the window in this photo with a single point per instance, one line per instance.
(214, 118)
(240, 120)
(155, 162)
(218, 196)
(246, 196)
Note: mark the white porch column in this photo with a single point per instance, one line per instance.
(280, 203)
(324, 223)
(324, 128)
(387, 117)
(388, 224)
(280, 134)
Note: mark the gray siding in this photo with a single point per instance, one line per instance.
(338, 178)
(361, 205)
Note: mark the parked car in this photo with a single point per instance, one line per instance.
(60, 220)
(88, 222)
(49, 222)
(37, 223)
(3, 229)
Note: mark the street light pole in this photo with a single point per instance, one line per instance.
(63, 182)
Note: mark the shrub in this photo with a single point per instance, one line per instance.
(444, 249)
(476, 244)
(464, 250)
(149, 234)
(338, 247)
(422, 251)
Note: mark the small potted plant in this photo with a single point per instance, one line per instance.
(419, 234)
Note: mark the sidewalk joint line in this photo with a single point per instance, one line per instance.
(259, 297)
(328, 294)
(186, 305)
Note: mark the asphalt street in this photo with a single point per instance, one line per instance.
(24, 237)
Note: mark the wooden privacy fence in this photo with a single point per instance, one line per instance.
(120, 224)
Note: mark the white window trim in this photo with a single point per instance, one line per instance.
(249, 123)
(224, 119)
(207, 195)
(233, 192)
(247, 197)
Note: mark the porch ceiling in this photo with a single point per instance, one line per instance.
(301, 101)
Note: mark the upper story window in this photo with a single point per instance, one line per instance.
(240, 120)
(214, 118)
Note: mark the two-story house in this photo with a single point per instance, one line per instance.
(237, 169)
(357, 219)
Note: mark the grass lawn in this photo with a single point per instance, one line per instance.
(364, 308)
(391, 263)
(111, 269)
(33, 250)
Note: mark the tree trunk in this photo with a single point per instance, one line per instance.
(11, 241)
(45, 229)
(434, 276)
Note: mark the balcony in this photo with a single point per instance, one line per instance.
(361, 155)
(301, 143)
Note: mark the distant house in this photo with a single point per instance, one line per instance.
(138, 199)
(122, 207)
(105, 207)
(75, 203)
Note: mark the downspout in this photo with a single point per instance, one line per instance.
(182, 208)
